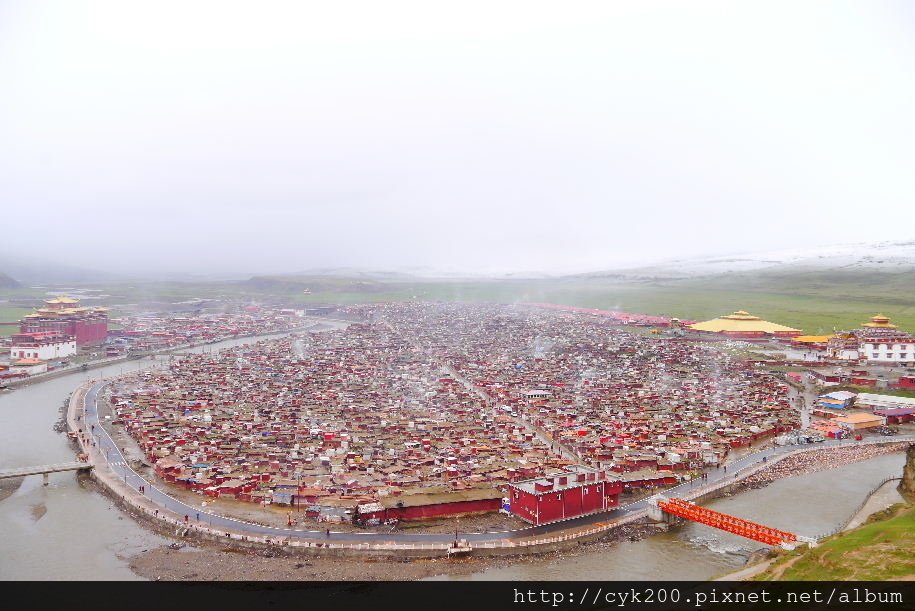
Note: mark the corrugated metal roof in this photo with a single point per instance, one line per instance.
(421, 500)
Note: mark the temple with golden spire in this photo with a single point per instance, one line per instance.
(742, 324)
(63, 315)
(876, 341)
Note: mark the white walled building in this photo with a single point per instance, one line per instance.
(878, 341)
(901, 352)
(42, 346)
(29, 366)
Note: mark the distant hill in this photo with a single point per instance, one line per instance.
(7, 282)
(883, 257)
(30, 271)
(316, 284)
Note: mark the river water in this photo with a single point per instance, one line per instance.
(806, 504)
(81, 535)
(63, 531)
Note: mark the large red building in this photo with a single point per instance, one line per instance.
(571, 494)
(62, 315)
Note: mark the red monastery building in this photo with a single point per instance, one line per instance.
(574, 493)
(62, 315)
(877, 341)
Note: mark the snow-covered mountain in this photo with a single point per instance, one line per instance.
(882, 256)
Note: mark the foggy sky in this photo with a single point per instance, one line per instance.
(488, 136)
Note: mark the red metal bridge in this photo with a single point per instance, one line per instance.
(738, 526)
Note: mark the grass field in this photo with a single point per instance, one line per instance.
(880, 550)
(814, 313)
(11, 314)
(815, 303)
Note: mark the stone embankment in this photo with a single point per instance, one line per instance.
(803, 463)
(907, 485)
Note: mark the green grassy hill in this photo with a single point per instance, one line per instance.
(817, 301)
(11, 314)
(880, 550)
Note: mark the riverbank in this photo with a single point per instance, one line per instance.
(812, 461)
(877, 500)
(880, 549)
(108, 361)
(221, 563)
(880, 499)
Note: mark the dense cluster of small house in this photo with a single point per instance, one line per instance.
(447, 401)
(146, 332)
(616, 399)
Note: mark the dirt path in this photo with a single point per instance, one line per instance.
(746, 573)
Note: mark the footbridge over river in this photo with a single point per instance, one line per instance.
(45, 470)
(661, 505)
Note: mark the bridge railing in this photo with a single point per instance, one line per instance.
(39, 469)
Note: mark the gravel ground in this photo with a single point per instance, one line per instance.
(204, 564)
(817, 460)
(209, 563)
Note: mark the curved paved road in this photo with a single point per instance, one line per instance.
(118, 463)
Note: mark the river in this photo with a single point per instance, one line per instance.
(806, 504)
(80, 534)
(64, 531)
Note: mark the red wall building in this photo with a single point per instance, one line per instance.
(568, 495)
(89, 326)
(433, 505)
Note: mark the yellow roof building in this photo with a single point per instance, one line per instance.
(813, 339)
(742, 322)
(879, 322)
(62, 299)
(859, 421)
